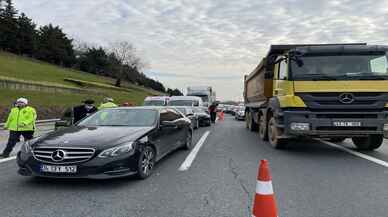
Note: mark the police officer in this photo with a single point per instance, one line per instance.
(84, 110)
(20, 122)
(108, 103)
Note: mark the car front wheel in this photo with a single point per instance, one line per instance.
(146, 162)
(189, 141)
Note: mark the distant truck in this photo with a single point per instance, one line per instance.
(333, 91)
(207, 94)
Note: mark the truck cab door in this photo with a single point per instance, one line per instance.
(282, 86)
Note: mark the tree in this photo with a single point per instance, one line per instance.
(8, 39)
(174, 92)
(54, 46)
(26, 36)
(125, 53)
(95, 60)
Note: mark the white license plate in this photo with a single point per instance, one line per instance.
(346, 124)
(58, 169)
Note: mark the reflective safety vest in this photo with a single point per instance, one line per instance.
(21, 119)
(107, 105)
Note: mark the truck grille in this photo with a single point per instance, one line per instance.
(329, 101)
(62, 155)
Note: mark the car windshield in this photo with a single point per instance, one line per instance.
(183, 103)
(122, 117)
(345, 67)
(154, 103)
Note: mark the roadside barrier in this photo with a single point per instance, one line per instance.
(264, 204)
(39, 122)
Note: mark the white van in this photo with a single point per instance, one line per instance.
(185, 101)
(156, 101)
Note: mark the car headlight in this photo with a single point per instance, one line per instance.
(117, 151)
(27, 145)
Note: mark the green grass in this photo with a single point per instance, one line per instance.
(27, 69)
(16, 68)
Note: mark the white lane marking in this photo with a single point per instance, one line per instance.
(355, 153)
(190, 158)
(264, 187)
(7, 159)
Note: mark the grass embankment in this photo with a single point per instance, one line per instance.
(49, 105)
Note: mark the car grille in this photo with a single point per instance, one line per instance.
(72, 154)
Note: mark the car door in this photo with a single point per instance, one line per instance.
(183, 124)
(167, 140)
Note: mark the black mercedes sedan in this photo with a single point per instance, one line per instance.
(110, 143)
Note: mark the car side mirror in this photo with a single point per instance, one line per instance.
(168, 124)
(62, 123)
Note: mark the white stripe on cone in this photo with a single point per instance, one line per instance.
(264, 188)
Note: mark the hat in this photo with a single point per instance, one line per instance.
(22, 100)
(89, 101)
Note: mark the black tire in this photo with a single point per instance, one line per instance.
(273, 134)
(368, 143)
(146, 162)
(189, 141)
(337, 139)
(263, 133)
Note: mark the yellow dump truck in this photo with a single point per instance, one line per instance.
(333, 91)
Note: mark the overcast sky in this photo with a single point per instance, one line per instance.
(211, 42)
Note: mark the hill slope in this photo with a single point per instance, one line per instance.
(30, 71)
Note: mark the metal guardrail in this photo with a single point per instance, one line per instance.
(39, 122)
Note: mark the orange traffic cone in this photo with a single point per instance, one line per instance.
(222, 115)
(264, 204)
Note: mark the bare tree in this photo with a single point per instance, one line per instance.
(125, 53)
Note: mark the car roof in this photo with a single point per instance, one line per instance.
(185, 98)
(156, 98)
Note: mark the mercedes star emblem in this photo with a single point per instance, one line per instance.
(346, 98)
(58, 155)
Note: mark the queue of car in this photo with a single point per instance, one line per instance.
(115, 142)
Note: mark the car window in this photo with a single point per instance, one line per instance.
(121, 117)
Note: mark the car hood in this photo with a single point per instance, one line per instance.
(80, 136)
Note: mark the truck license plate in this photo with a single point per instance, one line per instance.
(346, 124)
(58, 169)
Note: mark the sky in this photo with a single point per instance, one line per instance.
(211, 42)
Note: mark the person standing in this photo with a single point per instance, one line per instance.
(82, 111)
(108, 103)
(20, 122)
(213, 112)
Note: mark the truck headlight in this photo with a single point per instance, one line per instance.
(300, 126)
(117, 151)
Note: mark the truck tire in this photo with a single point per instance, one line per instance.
(263, 128)
(368, 143)
(273, 135)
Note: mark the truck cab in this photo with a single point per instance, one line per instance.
(325, 91)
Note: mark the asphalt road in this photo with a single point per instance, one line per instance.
(311, 179)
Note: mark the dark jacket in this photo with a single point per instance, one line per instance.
(81, 112)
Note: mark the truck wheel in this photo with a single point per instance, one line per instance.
(273, 134)
(337, 139)
(262, 129)
(368, 143)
